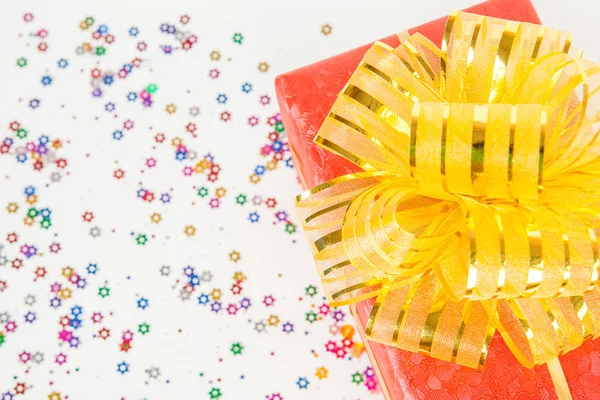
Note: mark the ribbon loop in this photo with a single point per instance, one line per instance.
(478, 208)
(491, 150)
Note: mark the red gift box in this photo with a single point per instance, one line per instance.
(305, 97)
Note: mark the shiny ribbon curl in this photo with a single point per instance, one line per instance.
(478, 208)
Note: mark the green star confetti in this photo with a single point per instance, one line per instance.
(241, 199)
(21, 62)
(45, 223)
(143, 328)
(141, 239)
(310, 290)
(237, 38)
(215, 393)
(357, 378)
(236, 349)
(290, 228)
(203, 192)
(104, 292)
(311, 316)
(279, 126)
(151, 88)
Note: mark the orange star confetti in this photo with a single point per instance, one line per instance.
(358, 349)
(321, 373)
(347, 331)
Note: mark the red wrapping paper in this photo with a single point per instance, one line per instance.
(305, 97)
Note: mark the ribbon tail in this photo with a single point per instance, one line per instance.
(369, 349)
(559, 380)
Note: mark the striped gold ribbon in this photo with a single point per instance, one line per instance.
(478, 208)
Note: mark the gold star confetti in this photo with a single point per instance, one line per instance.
(28, 221)
(254, 178)
(176, 141)
(12, 207)
(235, 256)
(273, 320)
(65, 293)
(321, 373)
(239, 277)
(55, 395)
(190, 230)
(271, 165)
(170, 108)
(31, 199)
(67, 272)
(205, 164)
(220, 192)
(215, 294)
(199, 168)
(215, 55)
(263, 67)
(326, 29)
(155, 218)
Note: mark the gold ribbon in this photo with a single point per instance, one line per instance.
(478, 206)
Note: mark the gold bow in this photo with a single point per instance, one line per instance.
(478, 208)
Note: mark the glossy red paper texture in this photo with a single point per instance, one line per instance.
(305, 97)
(411, 376)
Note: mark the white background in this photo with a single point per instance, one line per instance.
(287, 35)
